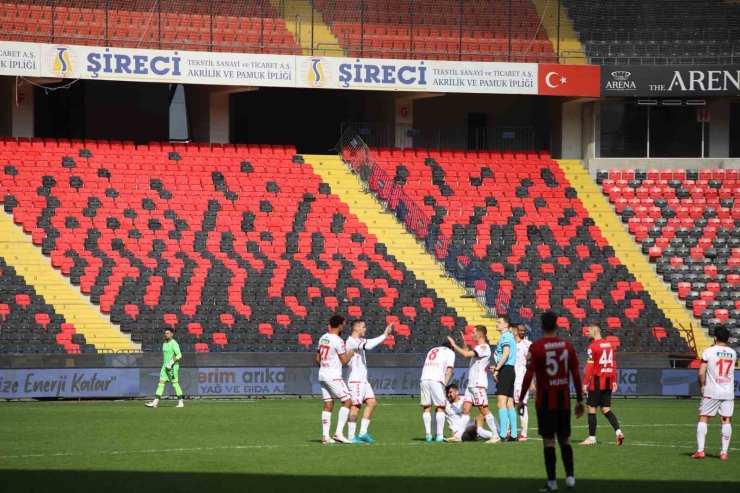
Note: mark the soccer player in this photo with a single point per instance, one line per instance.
(437, 372)
(717, 380)
(551, 360)
(360, 390)
(170, 371)
(505, 375)
(522, 349)
(477, 392)
(599, 382)
(453, 413)
(330, 357)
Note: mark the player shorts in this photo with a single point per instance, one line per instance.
(432, 394)
(709, 407)
(554, 422)
(470, 434)
(505, 384)
(518, 392)
(599, 398)
(478, 396)
(360, 392)
(336, 389)
(172, 376)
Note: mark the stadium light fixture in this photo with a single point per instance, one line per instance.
(695, 102)
(672, 102)
(647, 102)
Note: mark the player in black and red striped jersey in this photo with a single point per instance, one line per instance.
(553, 361)
(599, 382)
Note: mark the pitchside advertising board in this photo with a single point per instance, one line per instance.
(267, 381)
(670, 81)
(244, 69)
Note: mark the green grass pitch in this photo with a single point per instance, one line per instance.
(273, 445)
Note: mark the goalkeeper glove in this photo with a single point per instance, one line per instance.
(169, 365)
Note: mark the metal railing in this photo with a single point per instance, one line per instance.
(443, 137)
(464, 270)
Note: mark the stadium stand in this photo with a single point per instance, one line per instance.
(517, 215)
(234, 26)
(395, 29)
(28, 324)
(688, 224)
(657, 32)
(241, 247)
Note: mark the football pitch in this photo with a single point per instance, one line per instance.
(274, 445)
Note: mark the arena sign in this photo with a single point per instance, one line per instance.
(260, 70)
(670, 81)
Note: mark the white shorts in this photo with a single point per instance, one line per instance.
(432, 394)
(710, 407)
(518, 392)
(336, 389)
(360, 392)
(478, 396)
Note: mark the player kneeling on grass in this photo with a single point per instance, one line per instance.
(170, 369)
(454, 412)
(437, 372)
(330, 357)
(360, 390)
(717, 380)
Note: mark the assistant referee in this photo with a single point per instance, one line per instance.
(504, 375)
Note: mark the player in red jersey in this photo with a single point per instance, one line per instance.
(553, 361)
(599, 382)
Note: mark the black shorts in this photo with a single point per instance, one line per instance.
(470, 434)
(599, 398)
(554, 422)
(505, 384)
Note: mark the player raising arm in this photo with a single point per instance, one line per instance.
(360, 390)
(553, 361)
(330, 357)
(477, 392)
(599, 382)
(717, 380)
(437, 372)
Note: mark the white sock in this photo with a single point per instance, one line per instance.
(342, 420)
(363, 426)
(155, 401)
(726, 435)
(440, 424)
(619, 432)
(484, 434)
(525, 421)
(351, 427)
(553, 485)
(326, 423)
(463, 425)
(491, 422)
(701, 435)
(593, 439)
(570, 481)
(427, 417)
(180, 401)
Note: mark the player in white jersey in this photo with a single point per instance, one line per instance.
(330, 356)
(717, 380)
(520, 367)
(476, 394)
(453, 413)
(437, 372)
(360, 390)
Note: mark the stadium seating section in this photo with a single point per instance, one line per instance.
(517, 215)
(688, 224)
(659, 31)
(237, 26)
(28, 324)
(436, 34)
(237, 247)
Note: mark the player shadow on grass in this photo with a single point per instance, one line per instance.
(38, 481)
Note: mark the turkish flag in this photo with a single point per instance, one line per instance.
(569, 80)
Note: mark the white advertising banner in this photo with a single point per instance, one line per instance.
(20, 59)
(416, 75)
(69, 383)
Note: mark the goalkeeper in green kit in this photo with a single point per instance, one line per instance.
(170, 369)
